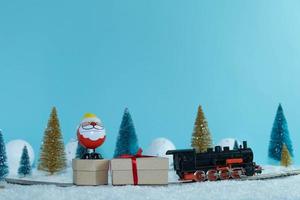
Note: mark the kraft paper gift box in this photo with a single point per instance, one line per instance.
(90, 172)
(145, 171)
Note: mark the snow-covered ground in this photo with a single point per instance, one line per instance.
(64, 177)
(284, 188)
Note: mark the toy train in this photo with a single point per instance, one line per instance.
(214, 164)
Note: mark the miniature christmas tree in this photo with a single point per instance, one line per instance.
(127, 142)
(279, 136)
(286, 159)
(236, 145)
(52, 156)
(80, 151)
(201, 137)
(3, 159)
(25, 167)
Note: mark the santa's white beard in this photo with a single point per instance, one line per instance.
(92, 134)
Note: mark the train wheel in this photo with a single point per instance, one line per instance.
(224, 174)
(199, 176)
(212, 175)
(236, 173)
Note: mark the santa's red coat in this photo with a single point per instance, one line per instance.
(90, 144)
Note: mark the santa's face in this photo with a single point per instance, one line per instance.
(91, 133)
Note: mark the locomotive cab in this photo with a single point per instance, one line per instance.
(183, 159)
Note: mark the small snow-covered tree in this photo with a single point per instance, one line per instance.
(127, 142)
(80, 151)
(236, 145)
(201, 137)
(3, 159)
(279, 136)
(52, 155)
(25, 167)
(286, 159)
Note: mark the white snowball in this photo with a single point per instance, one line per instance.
(14, 150)
(159, 147)
(227, 142)
(70, 150)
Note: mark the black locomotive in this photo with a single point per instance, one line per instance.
(214, 164)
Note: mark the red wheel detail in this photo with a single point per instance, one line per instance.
(224, 174)
(212, 175)
(199, 176)
(188, 176)
(236, 173)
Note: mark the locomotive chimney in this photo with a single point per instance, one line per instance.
(226, 149)
(218, 149)
(245, 144)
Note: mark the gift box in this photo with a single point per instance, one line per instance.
(139, 171)
(90, 172)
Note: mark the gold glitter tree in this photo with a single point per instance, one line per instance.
(52, 155)
(201, 137)
(286, 159)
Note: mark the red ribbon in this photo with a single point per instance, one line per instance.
(134, 163)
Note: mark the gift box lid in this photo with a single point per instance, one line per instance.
(90, 165)
(149, 163)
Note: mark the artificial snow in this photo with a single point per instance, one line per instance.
(70, 150)
(275, 189)
(14, 150)
(62, 177)
(159, 147)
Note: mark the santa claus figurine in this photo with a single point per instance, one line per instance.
(91, 134)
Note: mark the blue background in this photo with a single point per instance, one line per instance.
(161, 59)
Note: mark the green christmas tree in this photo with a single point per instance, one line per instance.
(201, 137)
(52, 155)
(236, 145)
(3, 159)
(25, 167)
(280, 135)
(286, 159)
(127, 142)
